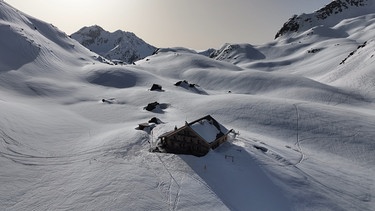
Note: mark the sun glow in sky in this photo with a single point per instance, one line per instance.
(198, 24)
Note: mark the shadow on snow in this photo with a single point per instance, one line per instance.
(235, 177)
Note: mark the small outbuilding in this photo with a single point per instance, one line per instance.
(195, 138)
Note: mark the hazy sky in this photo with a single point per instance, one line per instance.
(198, 24)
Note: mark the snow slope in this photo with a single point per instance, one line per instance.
(334, 51)
(119, 45)
(306, 123)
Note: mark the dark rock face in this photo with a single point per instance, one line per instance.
(353, 52)
(291, 25)
(155, 120)
(156, 107)
(184, 84)
(156, 87)
(338, 6)
(151, 106)
(333, 8)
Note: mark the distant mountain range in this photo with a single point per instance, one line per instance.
(118, 46)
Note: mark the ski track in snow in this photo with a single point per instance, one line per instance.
(298, 141)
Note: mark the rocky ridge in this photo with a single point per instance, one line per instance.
(325, 15)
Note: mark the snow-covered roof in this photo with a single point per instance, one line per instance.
(208, 128)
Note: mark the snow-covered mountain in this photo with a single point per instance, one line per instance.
(119, 45)
(302, 107)
(328, 15)
(32, 50)
(322, 49)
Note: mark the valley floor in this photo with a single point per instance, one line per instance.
(78, 152)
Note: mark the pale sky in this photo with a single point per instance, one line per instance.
(198, 24)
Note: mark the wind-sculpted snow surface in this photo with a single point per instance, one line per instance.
(237, 52)
(304, 123)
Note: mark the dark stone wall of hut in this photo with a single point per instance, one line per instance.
(185, 142)
(218, 142)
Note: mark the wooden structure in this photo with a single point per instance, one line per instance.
(195, 138)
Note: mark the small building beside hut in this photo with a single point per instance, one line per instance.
(195, 138)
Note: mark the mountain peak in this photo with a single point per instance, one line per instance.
(94, 28)
(328, 15)
(118, 45)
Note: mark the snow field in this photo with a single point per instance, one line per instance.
(306, 124)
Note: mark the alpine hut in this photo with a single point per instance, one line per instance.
(195, 138)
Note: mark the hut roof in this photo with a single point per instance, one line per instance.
(206, 127)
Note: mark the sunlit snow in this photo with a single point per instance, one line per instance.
(305, 123)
